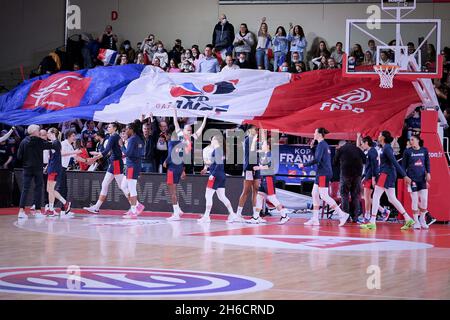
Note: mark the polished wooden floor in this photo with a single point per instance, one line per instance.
(288, 262)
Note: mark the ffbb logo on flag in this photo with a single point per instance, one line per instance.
(57, 92)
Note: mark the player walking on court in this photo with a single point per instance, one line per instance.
(177, 148)
(416, 162)
(53, 171)
(115, 169)
(322, 157)
(132, 148)
(386, 182)
(267, 186)
(216, 183)
(251, 177)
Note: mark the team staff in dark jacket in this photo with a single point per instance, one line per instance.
(31, 154)
(322, 158)
(386, 180)
(351, 160)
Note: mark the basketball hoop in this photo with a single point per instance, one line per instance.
(387, 74)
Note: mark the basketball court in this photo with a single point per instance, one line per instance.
(107, 257)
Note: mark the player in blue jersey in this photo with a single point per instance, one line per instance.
(216, 181)
(115, 169)
(386, 181)
(54, 169)
(416, 162)
(251, 177)
(267, 187)
(132, 149)
(322, 157)
(179, 149)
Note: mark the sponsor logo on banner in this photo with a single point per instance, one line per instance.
(191, 97)
(57, 92)
(125, 282)
(320, 243)
(347, 101)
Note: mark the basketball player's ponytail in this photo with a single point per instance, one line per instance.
(323, 131)
(387, 136)
(56, 132)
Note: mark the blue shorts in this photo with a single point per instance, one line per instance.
(417, 185)
(386, 180)
(116, 167)
(322, 181)
(267, 185)
(174, 175)
(133, 172)
(216, 182)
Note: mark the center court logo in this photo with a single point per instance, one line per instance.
(126, 282)
(346, 101)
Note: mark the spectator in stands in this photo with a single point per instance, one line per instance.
(413, 123)
(299, 67)
(284, 67)
(431, 58)
(148, 47)
(223, 36)
(83, 164)
(320, 56)
(138, 47)
(187, 62)
(229, 64)
(162, 138)
(196, 55)
(338, 54)
(263, 45)
(368, 59)
(384, 58)
(100, 139)
(162, 55)
(332, 64)
(148, 163)
(176, 52)
(123, 60)
(298, 41)
(157, 63)
(280, 47)
(128, 51)
(209, 64)
(88, 134)
(6, 153)
(109, 40)
(295, 58)
(351, 160)
(140, 59)
(372, 49)
(243, 41)
(358, 54)
(242, 62)
(173, 67)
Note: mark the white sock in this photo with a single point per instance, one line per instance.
(133, 209)
(255, 213)
(367, 215)
(51, 206)
(373, 219)
(176, 209)
(423, 215)
(98, 205)
(284, 212)
(315, 215)
(407, 217)
(416, 218)
(207, 211)
(239, 211)
(230, 209)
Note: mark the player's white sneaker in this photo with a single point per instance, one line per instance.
(33, 207)
(233, 218)
(343, 219)
(131, 215)
(423, 223)
(174, 217)
(22, 215)
(39, 215)
(52, 213)
(204, 219)
(312, 222)
(417, 226)
(284, 219)
(258, 220)
(92, 209)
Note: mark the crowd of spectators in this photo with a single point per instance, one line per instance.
(282, 51)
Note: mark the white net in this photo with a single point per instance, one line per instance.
(387, 74)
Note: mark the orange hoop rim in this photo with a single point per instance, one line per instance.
(385, 66)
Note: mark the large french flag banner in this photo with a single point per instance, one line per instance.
(295, 104)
